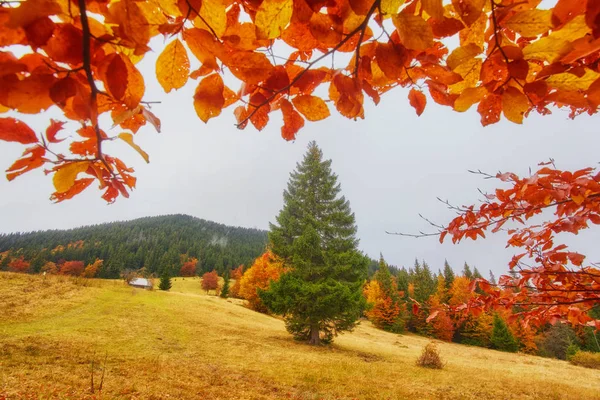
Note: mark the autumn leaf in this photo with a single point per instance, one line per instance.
(514, 105)
(418, 100)
(414, 31)
(52, 130)
(212, 17)
(173, 66)
(208, 98)
(468, 97)
(292, 120)
(65, 175)
(435, 8)
(313, 108)
(490, 108)
(249, 67)
(391, 58)
(530, 23)
(469, 10)
(272, 17)
(13, 130)
(128, 138)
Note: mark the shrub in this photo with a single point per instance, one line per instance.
(430, 357)
(572, 350)
(586, 359)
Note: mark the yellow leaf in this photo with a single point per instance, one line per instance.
(470, 71)
(574, 29)
(390, 7)
(530, 23)
(435, 8)
(568, 81)
(474, 33)
(547, 49)
(173, 66)
(212, 16)
(272, 18)
(128, 138)
(514, 105)
(415, 33)
(468, 97)
(462, 54)
(209, 99)
(64, 178)
(312, 107)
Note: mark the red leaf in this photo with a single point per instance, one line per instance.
(13, 130)
(52, 130)
(417, 100)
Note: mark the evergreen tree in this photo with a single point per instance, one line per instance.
(321, 294)
(476, 274)
(165, 281)
(225, 289)
(502, 339)
(492, 278)
(467, 271)
(448, 274)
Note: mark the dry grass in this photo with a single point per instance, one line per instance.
(184, 344)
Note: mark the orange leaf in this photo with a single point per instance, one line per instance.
(414, 32)
(65, 175)
(391, 58)
(490, 108)
(208, 99)
(13, 130)
(78, 186)
(116, 77)
(347, 96)
(52, 130)
(25, 164)
(435, 8)
(469, 10)
(418, 100)
(260, 108)
(312, 107)
(128, 138)
(173, 66)
(292, 121)
(272, 17)
(248, 66)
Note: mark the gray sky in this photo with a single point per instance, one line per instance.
(391, 166)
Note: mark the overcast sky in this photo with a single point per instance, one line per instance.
(391, 166)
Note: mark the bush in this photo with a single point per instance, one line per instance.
(430, 357)
(572, 350)
(586, 359)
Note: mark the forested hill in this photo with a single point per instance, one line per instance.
(152, 242)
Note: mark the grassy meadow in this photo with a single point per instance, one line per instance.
(185, 344)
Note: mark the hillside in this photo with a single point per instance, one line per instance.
(183, 344)
(153, 242)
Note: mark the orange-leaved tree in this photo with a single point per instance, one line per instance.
(189, 267)
(236, 275)
(74, 268)
(506, 57)
(210, 281)
(265, 269)
(19, 265)
(91, 270)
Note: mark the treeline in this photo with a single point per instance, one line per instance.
(157, 244)
(432, 305)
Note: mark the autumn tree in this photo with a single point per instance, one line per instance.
(264, 270)
(91, 270)
(188, 268)
(315, 237)
(210, 281)
(507, 58)
(385, 309)
(74, 268)
(50, 268)
(18, 265)
(236, 275)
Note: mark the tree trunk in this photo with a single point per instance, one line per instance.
(314, 335)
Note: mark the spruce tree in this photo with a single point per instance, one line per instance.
(502, 339)
(225, 289)
(467, 271)
(448, 274)
(315, 237)
(165, 281)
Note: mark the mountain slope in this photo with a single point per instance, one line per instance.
(184, 344)
(152, 242)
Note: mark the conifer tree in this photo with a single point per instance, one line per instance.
(225, 288)
(492, 278)
(448, 274)
(165, 281)
(314, 236)
(502, 339)
(467, 271)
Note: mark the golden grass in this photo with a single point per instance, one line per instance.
(184, 344)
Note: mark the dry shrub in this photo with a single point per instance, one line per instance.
(586, 359)
(430, 357)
